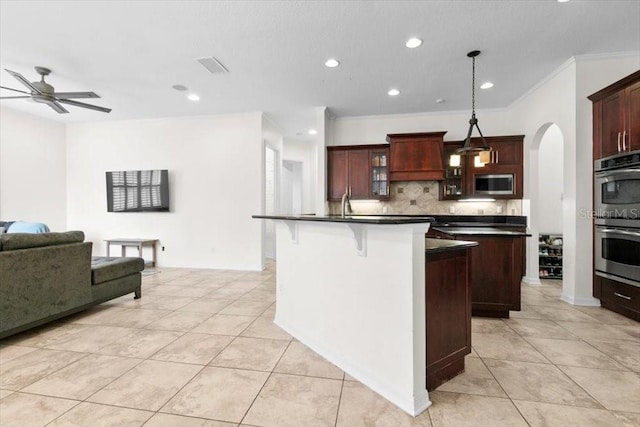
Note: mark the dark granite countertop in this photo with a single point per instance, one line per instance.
(354, 219)
(479, 231)
(443, 245)
(465, 220)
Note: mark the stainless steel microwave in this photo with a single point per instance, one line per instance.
(495, 184)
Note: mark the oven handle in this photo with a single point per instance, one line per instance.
(608, 173)
(618, 278)
(616, 231)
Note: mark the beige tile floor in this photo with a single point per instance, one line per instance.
(200, 349)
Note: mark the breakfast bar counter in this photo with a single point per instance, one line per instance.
(353, 290)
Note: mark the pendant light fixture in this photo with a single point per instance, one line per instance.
(483, 153)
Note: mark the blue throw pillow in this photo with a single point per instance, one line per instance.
(28, 227)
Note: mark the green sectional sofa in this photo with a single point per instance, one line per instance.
(47, 276)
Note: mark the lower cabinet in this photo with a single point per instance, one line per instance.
(448, 314)
(498, 265)
(619, 297)
(497, 272)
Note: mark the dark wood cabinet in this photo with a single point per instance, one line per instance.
(612, 124)
(448, 314)
(416, 156)
(506, 159)
(497, 272)
(498, 265)
(632, 116)
(506, 151)
(337, 170)
(618, 296)
(359, 170)
(358, 173)
(616, 117)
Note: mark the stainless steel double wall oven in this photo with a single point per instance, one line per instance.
(617, 223)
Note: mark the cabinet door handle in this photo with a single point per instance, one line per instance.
(622, 296)
(618, 142)
(624, 141)
(497, 157)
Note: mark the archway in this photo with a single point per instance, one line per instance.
(545, 195)
(550, 192)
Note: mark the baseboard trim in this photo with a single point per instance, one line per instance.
(534, 281)
(585, 301)
(412, 405)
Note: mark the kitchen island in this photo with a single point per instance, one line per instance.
(498, 264)
(353, 290)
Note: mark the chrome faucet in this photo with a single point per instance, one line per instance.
(346, 206)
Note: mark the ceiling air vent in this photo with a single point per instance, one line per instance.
(213, 65)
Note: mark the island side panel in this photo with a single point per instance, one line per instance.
(363, 312)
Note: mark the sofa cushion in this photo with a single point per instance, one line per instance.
(11, 242)
(104, 269)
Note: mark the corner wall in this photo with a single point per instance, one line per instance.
(33, 169)
(562, 99)
(215, 168)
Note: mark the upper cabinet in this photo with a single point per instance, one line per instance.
(500, 179)
(616, 117)
(454, 186)
(416, 156)
(359, 170)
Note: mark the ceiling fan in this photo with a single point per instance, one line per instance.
(44, 93)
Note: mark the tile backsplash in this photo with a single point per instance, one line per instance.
(421, 197)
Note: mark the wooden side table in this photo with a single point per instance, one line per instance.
(137, 243)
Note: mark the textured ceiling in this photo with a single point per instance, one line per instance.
(132, 52)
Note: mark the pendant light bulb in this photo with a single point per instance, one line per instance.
(485, 157)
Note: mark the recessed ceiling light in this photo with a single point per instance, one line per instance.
(439, 101)
(413, 43)
(393, 92)
(313, 132)
(181, 88)
(332, 63)
(193, 97)
(486, 85)
(562, 1)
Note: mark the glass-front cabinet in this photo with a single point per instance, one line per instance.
(452, 186)
(380, 174)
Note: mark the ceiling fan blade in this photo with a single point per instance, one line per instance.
(24, 81)
(14, 97)
(67, 95)
(83, 105)
(15, 90)
(57, 107)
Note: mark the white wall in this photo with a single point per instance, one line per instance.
(215, 168)
(550, 181)
(291, 188)
(374, 129)
(303, 152)
(32, 169)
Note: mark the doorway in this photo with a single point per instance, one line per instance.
(291, 200)
(271, 204)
